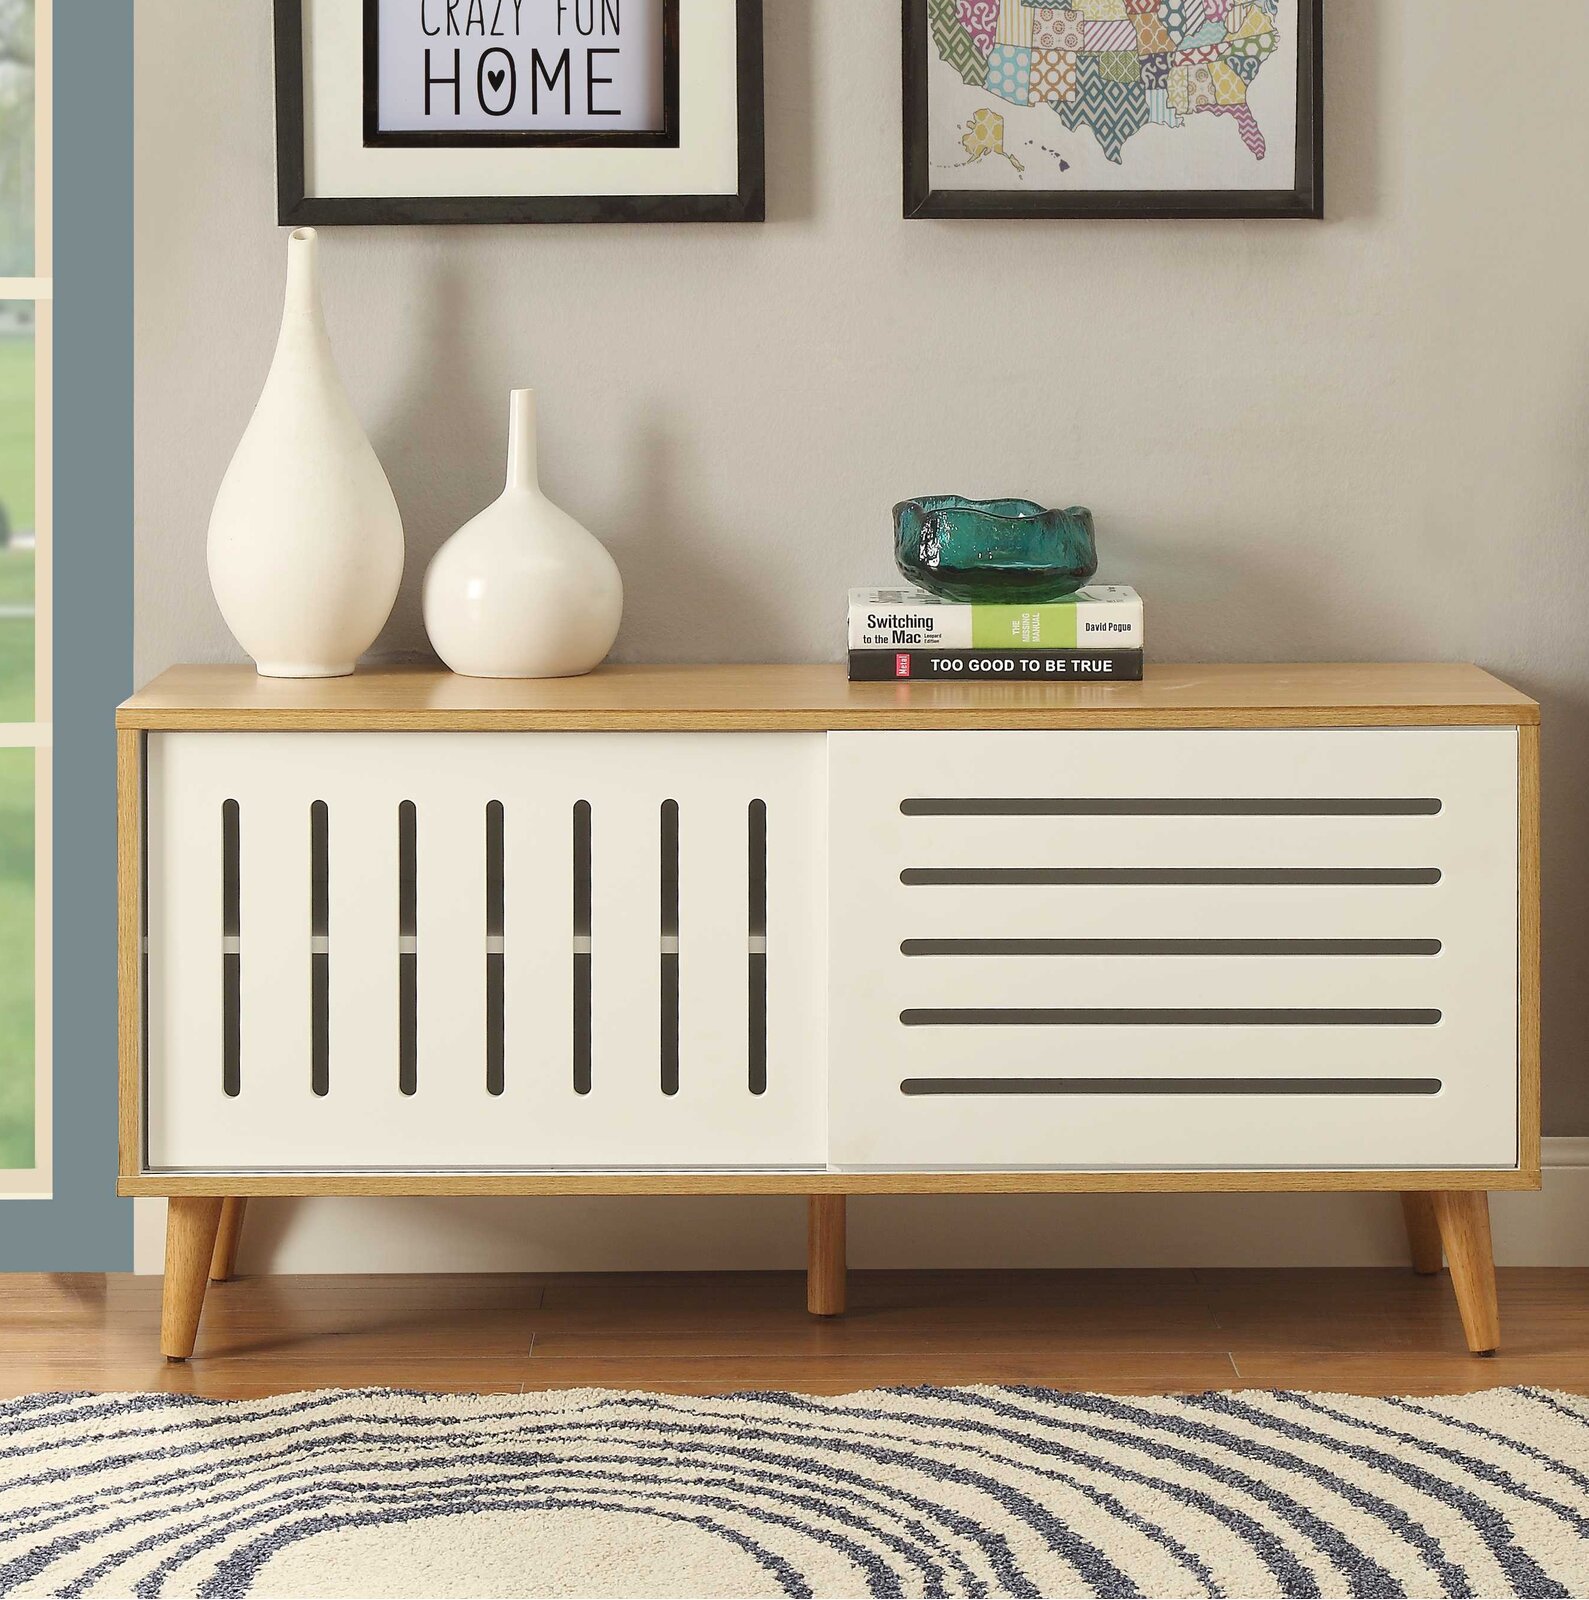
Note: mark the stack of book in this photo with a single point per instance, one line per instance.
(1091, 636)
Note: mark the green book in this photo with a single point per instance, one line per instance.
(1099, 617)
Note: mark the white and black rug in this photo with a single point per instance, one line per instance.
(892, 1492)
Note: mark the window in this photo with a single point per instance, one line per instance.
(25, 302)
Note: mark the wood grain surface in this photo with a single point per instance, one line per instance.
(760, 697)
(515, 1183)
(1368, 1331)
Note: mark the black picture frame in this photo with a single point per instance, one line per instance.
(1305, 199)
(664, 138)
(295, 207)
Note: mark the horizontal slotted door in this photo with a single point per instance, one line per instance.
(431, 951)
(1174, 949)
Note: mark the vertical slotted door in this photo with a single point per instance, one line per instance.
(1175, 949)
(433, 951)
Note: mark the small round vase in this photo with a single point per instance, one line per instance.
(305, 545)
(522, 590)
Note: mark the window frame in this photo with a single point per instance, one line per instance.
(36, 1182)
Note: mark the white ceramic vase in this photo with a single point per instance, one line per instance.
(522, 590)
(306, 543)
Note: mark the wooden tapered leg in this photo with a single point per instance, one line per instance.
(825, 1255)
(191, 1225)
(224, 1262)
(1464, 1219)
(1423, 1231)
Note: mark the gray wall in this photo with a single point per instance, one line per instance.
(1362, 439)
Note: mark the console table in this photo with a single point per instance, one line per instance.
(758, 930)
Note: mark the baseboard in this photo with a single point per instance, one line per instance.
(1550, 1228)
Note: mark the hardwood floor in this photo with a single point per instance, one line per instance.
(1367, 1331)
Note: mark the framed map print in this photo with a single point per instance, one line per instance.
(1114, 108)
(424, 111)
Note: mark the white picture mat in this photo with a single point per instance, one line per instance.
(337, 165)
(1205, 153)
(633, 66)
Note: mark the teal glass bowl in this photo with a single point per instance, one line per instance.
(993, 551)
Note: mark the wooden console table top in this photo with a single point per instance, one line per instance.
(683, 698)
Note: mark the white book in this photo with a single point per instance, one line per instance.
(1103, 616)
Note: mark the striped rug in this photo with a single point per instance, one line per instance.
(891, 1492)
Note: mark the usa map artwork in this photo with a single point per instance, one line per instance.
(1112, 68)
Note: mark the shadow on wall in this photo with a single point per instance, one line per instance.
(793, 104)
(444, 443)
(667, 551)
(439, 437)
(767, 1234)
(1355, 38)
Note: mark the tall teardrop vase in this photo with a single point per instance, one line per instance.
(305, 542)
(522, 590)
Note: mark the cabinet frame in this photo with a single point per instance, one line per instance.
(813, 698)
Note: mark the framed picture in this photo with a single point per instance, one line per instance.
(457, 111)
(1114, 108)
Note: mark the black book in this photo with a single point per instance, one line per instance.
(996, 666)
